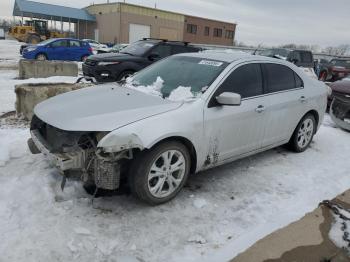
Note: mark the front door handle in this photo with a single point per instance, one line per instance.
(260, 109)
(302, 99)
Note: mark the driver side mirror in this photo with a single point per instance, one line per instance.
(153, 57)
(229, 99)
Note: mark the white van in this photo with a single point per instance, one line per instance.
(2, 33)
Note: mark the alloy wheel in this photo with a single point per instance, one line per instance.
(166, 173)
(305, 133)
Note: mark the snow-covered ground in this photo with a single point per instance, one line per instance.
(220, 213)
(9, 53)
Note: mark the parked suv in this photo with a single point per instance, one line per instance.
(116, 66)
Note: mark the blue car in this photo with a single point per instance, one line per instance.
(59, 49)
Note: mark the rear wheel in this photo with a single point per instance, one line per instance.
(157, 176)
(41, 57)
(303, 134)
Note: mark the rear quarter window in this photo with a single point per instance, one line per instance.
(280, 78)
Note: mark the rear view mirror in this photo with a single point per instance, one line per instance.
(229, 99)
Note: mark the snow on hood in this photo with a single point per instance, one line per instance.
(101, 108)
(181, 93)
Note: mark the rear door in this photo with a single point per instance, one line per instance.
(286, 102)
(236, 130)
(58, 50)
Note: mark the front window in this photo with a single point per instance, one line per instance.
(195, 73)
(138, 48)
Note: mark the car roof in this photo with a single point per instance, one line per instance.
(230, 57)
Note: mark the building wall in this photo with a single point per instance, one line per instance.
(85, 30)
(200, 38)
(113, 21)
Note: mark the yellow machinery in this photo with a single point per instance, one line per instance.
(33, 32)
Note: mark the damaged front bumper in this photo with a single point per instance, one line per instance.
(340, 110)
(102, 170)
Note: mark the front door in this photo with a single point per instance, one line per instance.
(233, 131)
(58, 50)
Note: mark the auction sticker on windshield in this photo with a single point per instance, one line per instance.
(210, 63)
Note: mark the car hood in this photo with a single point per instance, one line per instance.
(110, 57)
(101, 108)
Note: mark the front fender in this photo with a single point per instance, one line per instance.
(119, 141)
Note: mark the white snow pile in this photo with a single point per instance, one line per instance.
(336, 233)
(154, 89)
(181, 93)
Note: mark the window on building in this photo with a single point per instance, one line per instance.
(207, 31)
(191, 29)
(229, 34)
(217, 32)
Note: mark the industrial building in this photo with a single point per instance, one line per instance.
(125, 23)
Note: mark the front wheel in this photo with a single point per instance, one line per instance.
(157, 176)
(303, 134)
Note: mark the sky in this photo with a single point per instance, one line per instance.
(267, 22)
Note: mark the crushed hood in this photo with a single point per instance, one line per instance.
(101, 108)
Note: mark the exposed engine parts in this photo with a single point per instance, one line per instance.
(78, 152)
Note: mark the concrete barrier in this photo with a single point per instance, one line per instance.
(43, 69)
(29, 95)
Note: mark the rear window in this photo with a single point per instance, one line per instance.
(281, 78)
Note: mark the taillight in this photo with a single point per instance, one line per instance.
(90, 49)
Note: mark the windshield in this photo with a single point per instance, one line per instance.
(138, 48)
(178, 72)
(47, 41)
(343, 63)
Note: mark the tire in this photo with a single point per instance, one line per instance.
(41, 57)
(125, 75)
(303, 134)
(161, 184)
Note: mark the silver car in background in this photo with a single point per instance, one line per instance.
(139, 135)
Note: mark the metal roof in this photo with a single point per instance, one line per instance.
(48, 11)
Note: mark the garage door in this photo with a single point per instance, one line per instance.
(168, 33)
(137, 32)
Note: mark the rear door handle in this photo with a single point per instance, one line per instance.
(302, 99)
(260, 109)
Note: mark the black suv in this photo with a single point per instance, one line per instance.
(116, 66)
(301, 58)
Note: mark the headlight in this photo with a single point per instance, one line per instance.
(30, 49)
(108, 63)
